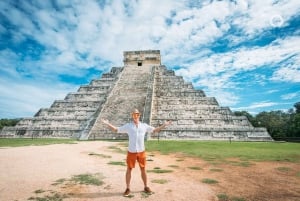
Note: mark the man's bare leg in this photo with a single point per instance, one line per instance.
(144, 176)
(128, 177)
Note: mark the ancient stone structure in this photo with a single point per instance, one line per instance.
(145, 84)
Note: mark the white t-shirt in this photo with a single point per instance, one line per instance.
(136, 135)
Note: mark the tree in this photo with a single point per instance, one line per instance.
(276, 122)
(248, 115)
(294, 125)
(297, 106)
(8, 122)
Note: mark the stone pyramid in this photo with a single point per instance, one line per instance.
(157, 92)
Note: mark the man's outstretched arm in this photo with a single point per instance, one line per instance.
(157, 129)
(112, 127)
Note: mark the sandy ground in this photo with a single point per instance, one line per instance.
(27, 173)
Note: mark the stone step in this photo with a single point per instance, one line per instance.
(217, 134)
(102, 82)
(55, 122)
(202, 101)
(71, 104)
(42, 132)
(86, 96)
(59, 112)
(89, 88)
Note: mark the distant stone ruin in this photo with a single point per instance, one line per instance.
(145, 84)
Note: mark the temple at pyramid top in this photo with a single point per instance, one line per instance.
(142, 83)
(140, 58)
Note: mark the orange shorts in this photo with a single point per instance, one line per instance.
(132, 157)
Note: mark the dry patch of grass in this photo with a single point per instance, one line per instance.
(160, 181)
(81, 179)
(209, 181)
(225, 197)
(284, 169)
(100, 155)
(173, 166)
(216, 170)
(158, 170)
(117, 149)
(195, 168)
(54, 196)
(240, 163)
(85, 179)
(121, 163)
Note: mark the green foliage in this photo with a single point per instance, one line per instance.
(276, 122)
(8, 122)
(297, 106)
(279, 124)
(248, 115)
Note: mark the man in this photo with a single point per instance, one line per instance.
(136, 131)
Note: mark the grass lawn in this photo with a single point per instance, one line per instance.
(18, 142)
(219, 150)
(207, 150)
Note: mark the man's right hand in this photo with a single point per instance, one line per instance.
(112, 127)
(105, 121)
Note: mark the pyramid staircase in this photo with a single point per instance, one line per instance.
(145, 84)
(133, 90)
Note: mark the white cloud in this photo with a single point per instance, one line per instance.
(25, 99)
(287, 74)
(290, 96)
(259, 13)
(257, 105)
(224, 98)
(272, 91)
(247, 59)
(81, 34)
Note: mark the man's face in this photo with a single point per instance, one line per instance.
(136, 115)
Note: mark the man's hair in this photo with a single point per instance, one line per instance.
(135, 110)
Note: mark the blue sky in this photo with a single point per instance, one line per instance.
(244, 53)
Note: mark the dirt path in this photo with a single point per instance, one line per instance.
(47, 171)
